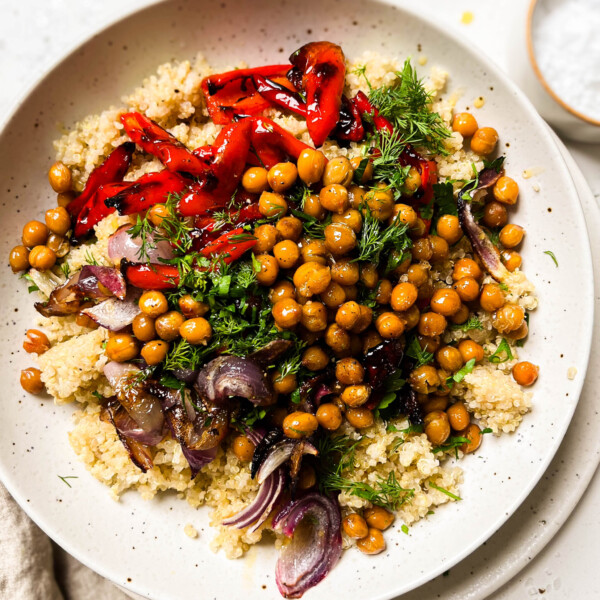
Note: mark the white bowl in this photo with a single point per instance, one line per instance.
(141, 545)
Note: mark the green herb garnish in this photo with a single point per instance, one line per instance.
(551, 255)
(444, 491)
(502, 353)
(65, 477)
(472, 323)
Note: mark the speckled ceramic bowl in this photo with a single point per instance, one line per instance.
(141, 545)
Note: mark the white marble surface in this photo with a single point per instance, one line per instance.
(35, 33)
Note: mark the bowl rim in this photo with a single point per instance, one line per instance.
(540, 77)
(100, 28)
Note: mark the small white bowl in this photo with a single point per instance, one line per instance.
(564, 118)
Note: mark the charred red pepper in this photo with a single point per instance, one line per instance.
(350, 126)
(155, 140)
(237, 217)
(148, 190)
(230, 246)
(273, 144)
(365, 107)
(234, 93)
(150, 277)
(112, 170)
(319, 71)
(279, 95)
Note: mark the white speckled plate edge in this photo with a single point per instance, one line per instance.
(324, 589)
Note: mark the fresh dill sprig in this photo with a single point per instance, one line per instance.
(312, 227)
(407, 104)
(290, 365)
(64, 478)
(183, 355)
(89, 259)
(386, 165)
(375, 239)
(142, 229)
(472, 323)
(444, 491)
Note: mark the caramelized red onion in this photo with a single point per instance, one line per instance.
(313, 522)
(281, 452)
(262, 449)
(115, 314)
(122, 245)
(257, 512)
(92, 276)
(269, 353)
(230, 376)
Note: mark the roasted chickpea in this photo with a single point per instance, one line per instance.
(410, 317)
(35, 233)
(315, 358)
(289, 228)
(373, 543)
(412, 182)
(520, 333)
(339, 239)
(491, 298)
(284, 385)
(338, 170)
(458, 416)
(473, 434)
(525, 373)
(511, 235)
(154, 352)
(417, 275)
(36, 342)
(58, 244)
(429, 344)
(121, 347)
(369, 275)
(437, 427)
(465, 123)
(255, 181)
(495, 214)
(448, 228)
(389, 325)
(351, 292)
(266, 237)
(348, 315)
(60, 177)
(190, 307)
(446, 302)
(282, 289)
(508, 318)
(195, 331)
(461, 316)
(312, 278)
(243, 448)
(287, 313)
(356, 196)
(58, 220)
(143, 328)
(470, 350)
(424, 379)
(512, 260)
(345, 272)
(334, 295)
(313, 207)
(440, 249)
(272, 204)
(349, 371)
(404, 295)
(379, 202)
(360, 417)
(153, 303)
(403, 214)
(384, 291)
(355, 526)
(435, 403)
(311, 164)
(314, 250)
(432, 324)
(19, 259)
(378, 517)
(337, 339)
(286, 253)
(467, 289)
(299, 424)
(449, 358)
(42, 258)
(334, 198)
(282, 176)
(65, 199)
(466, 267)
(31, 380)
(352, 218)
(506, 190)
(269, 269)
(367, 170)
(422, 249)
(168, 324)
(157, 214)
(329, 416)
(484, 140)
(418, 230)
(314, 316)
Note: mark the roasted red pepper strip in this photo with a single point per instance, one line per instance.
(150, 277)
(279, 95)
(155, 140)
(238, 217)
(228, 249)
(95, 210)
(148, 190)
(323, 70)
(233, 93)
(274, 144)
(350, 126)
(364, 106)
(112, 170)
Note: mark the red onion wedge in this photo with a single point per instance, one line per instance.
(313, 522)
(230, 376)
(122, 245)
(115, 314)
(256, 513)
(91, 276)
(280, 453)
(269, 353)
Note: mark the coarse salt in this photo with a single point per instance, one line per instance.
(567, 49)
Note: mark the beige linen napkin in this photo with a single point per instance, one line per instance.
(33, 568)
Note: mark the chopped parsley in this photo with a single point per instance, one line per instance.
(472, 323)
(443, 198)
(551, 255)
(461, 373)
(497, 164)
(502, 354)
(30, 288)
(417, 353)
